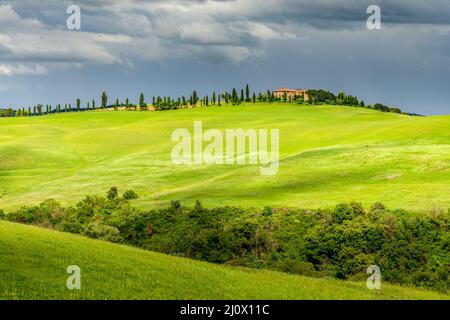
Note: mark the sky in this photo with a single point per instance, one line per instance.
(171, 47)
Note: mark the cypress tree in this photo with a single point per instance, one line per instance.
(234, 96)
(242, 95)
(247, 93)
(254, 97)
(194, 98)
(104, 100)
(142, 101)
(214, 98)
(78, 104)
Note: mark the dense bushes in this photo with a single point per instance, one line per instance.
(326, 97)
(342, 242)
(130, 195)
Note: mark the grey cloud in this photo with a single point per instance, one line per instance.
(215, 31)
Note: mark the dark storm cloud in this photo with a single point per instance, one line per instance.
(324, 39)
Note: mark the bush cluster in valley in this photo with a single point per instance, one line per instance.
(341, 242)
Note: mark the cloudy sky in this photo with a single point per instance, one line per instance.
(170, 47)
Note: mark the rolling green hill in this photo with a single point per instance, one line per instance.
(33, 265)
(328, 155)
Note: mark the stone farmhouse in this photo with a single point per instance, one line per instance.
(291, 93)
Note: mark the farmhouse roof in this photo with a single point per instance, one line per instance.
(289, 90)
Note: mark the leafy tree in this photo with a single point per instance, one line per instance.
(267, 212)
(380, 107)
(176, 205)
(198, 207)
(112, 193)
(319, 96)
(130, 195)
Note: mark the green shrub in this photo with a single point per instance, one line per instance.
(112, 193)
(102, 232)
(176, 205)
(267, 212)
(130, 195)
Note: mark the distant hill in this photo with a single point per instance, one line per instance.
(328, 155)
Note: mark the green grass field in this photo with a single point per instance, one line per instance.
(328, 155)
(33, 265)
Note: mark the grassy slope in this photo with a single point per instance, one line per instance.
(328, 155)
(33, 263)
